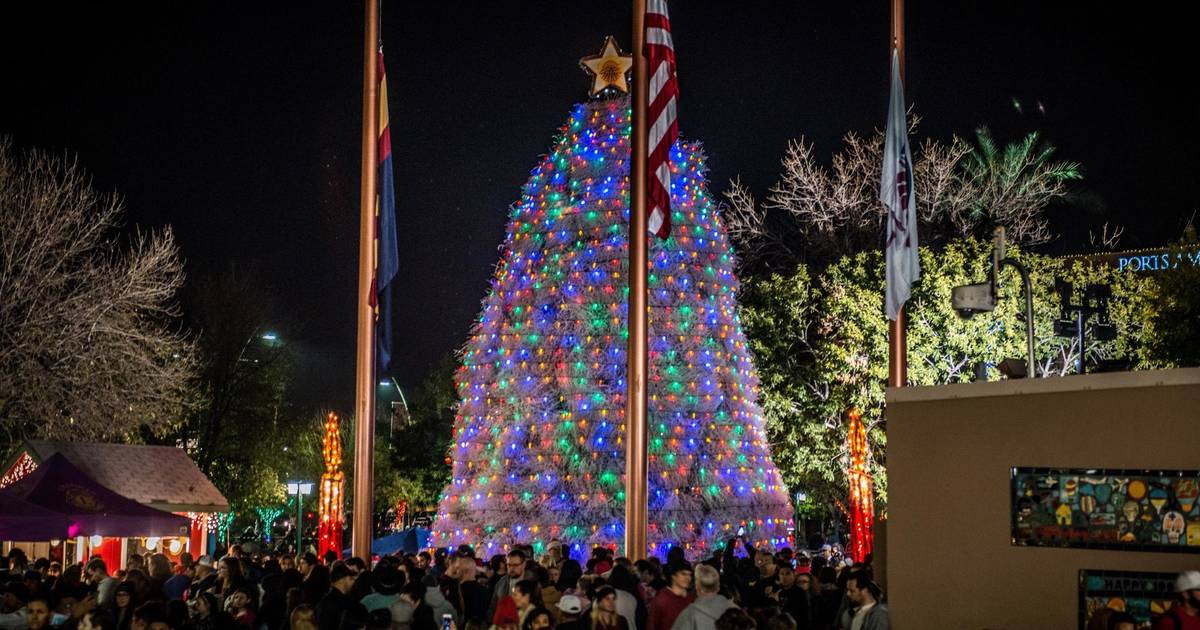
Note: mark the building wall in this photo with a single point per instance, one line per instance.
(950, 562)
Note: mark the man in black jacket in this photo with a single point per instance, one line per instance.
(793, 600)
(336, 601)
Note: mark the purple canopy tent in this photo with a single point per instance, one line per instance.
(22, 520)
(90, 508)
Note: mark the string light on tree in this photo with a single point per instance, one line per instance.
(333, 483)
(538, 447)
(267, 516)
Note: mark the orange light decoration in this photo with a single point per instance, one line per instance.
(333, 485)
(862, 504)
(401, 511)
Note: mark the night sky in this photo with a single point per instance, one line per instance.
(238, 124)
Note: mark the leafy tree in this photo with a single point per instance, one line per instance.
(821, 345)
(413, 466)
(88, 343)
(410, 454)
(240, 420)
(1173, 309)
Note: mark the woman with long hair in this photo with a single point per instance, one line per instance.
(123, 604)
(629, 601)
(229, 577)
(160, 572)
(604, 611)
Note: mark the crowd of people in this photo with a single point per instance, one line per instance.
(739, 588)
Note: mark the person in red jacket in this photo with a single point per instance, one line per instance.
(670, 601)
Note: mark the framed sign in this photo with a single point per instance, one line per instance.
(1128, 510)
(1144, 595)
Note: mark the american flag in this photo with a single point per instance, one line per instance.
(664, 128)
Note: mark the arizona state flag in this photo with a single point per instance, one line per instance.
(387, 258)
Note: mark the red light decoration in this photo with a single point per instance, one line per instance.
(333, 484)
(862, 504)
(23, 466)
(401, 511)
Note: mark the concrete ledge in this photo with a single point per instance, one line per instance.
(1052, 385)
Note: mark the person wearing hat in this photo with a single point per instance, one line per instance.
(670, 602)
(386, 588)
(12, 607)
(123, 604)
(1184, 614)
(604, 610)
(336, 601)
(507, 616)
(203, 576)
(569, 608)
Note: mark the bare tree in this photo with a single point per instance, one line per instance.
(817, 213)
(1106, 240)
(87, 343)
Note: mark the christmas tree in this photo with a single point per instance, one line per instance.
(538, 449)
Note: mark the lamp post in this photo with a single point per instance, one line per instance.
(1094, 302)
(300, 489)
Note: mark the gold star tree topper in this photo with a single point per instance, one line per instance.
(608, 69)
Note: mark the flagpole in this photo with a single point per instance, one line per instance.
(364, 398)
(898, 328)
(636, 454)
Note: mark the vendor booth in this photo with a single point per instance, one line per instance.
(161, 479)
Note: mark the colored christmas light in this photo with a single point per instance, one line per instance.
(333, 484)
(538, 449)
(862, 504)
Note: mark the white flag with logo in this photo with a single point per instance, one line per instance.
(896, 192)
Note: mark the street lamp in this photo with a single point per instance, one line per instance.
(975, 298)
(300, 489)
